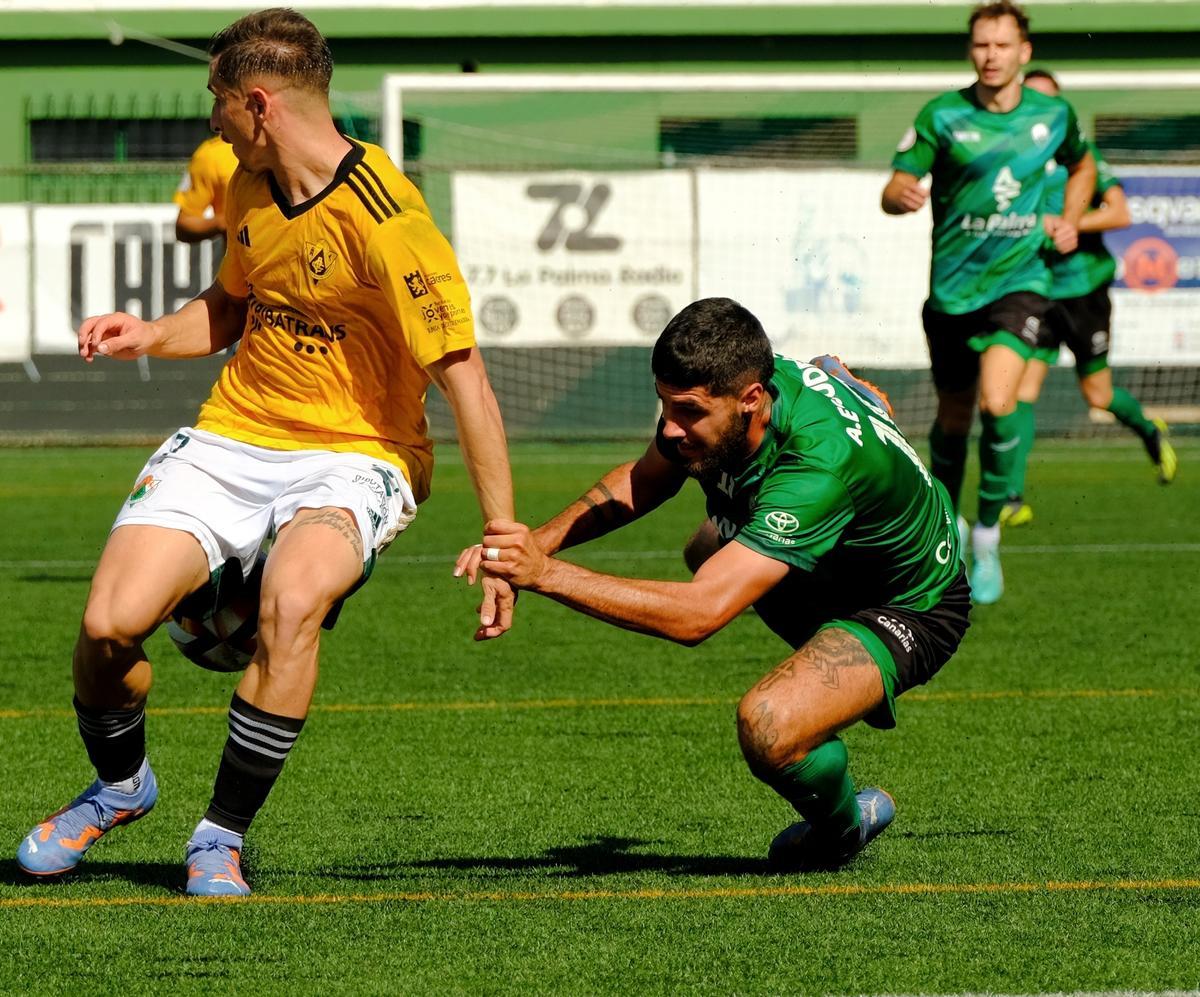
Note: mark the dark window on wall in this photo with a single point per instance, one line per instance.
(759, 139)
(120, 140)
(1167, 138)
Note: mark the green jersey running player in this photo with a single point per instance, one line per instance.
(1080, 316)
(987, 148)
(820, 515)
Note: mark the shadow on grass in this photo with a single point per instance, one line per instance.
(602, 856)
(165, 875)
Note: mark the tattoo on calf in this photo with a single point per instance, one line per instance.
(340, 522)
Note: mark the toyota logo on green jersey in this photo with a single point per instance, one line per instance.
(782, 522)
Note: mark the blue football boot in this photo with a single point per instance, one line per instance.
(986, 578)
(214, 864)
(800, 849)
(59, 842)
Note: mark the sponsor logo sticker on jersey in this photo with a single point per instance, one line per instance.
(1006, 188)
(143, 489)
(967, 135)
(319, 259)
(415, 282)
(907, 140)
(782, 522)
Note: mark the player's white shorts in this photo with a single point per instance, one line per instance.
(232, 496)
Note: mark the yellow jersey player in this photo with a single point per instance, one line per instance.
(348, 302)
(201, 192)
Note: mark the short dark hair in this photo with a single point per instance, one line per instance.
(277, 42)
(995, 11)
(1042, 74)
(716, 344)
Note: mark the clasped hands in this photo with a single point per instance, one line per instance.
(509, 558)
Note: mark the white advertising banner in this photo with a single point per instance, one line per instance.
(812, 254)
(574, 258)
(14, 283)
(91, 259)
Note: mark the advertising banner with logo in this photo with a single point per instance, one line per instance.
(91, 259)
(1156, 297)
(14, 283)
(814, 257)
(574, 259)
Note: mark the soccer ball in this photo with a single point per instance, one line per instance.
(216, 627)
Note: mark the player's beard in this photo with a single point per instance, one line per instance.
(728, 453)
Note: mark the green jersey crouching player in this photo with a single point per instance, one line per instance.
(1080, 316)
(820, 515)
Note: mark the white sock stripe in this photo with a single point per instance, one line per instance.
(258, 737)
(256, 748)
(254, 737)
(245, 721)
(108, 728)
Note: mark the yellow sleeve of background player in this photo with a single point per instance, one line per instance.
(232, 274)
(414, 265)
(195, 193)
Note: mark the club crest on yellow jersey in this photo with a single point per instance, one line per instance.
(319, 259)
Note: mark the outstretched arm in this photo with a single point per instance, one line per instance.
(687, 612)
(624, 494)
(205, 325)
(461, 377)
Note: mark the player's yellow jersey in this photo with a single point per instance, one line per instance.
(350, 296)
(207, 175)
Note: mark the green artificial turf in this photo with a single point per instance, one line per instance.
(566, 810)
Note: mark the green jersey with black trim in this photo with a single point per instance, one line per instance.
(1091, 265)
(989, 174)
(838, 494)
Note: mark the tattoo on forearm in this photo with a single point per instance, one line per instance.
(340, 522)
(606, 510)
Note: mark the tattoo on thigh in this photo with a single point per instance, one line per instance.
(340, 522)
(831, 651)
(759, 731)
(777, 674)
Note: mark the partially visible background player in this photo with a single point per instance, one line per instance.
(348, 302)
(986, 148)
(201, 193)
(1080, 315)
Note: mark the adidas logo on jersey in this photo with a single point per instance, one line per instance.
(243, 236)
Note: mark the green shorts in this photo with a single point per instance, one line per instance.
(908, 646)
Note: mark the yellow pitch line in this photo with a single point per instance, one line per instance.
(715, 893)
(573, 703)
